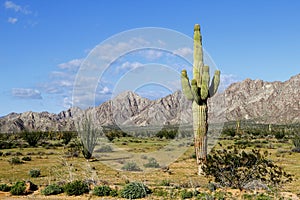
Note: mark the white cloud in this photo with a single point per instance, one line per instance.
(26, 93)
(105, 90)
(12, 20)
(185, 51)
(152, 54)
(129, 66)
(71, 65)
(67, 103)
(111, 51)
(17, 8)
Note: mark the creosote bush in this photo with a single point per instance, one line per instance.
(5, 188)
(235, 168)
(52, 189)
(135, 190)
(15, 161)
(152, 163)
(34, 173)
(131, 166)
(102, 190)
(76, 188)
(18, 188)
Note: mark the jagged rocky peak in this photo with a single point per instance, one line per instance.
(264, 102)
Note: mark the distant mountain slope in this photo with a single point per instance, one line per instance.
(264, 102)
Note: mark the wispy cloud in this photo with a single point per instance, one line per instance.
(26, 93)
(127, 66)
(17, 8)
(12, 20)
(185, 51)
(71, 65)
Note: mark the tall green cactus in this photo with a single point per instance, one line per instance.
(199, 91)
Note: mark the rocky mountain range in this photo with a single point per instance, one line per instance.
(256, 100)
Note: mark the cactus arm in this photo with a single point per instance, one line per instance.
(186, 85)
(198, 55)
(195, 91)
(215, 83)
(204, 83)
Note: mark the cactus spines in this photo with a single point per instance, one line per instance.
(199, 91)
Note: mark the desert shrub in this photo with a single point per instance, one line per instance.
(168, 134)
(105, 148)
(131, 166)
(102, 190)
(32, 138)
(5, 188)
(152, 163)
(76, 188)
(165, 183)
(185, 194)
(15, 161)
(67, 136)
(26, 158)
(160, 192)
(135, 190)
(235, 168)
(113, 193)
(279, 135)
(18, 188)
(296, 143)
(229, 132)
(34, 173)
(1, 153)
(52, 190)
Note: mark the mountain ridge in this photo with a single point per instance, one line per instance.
(257, 100)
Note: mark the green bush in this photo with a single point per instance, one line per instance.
(279, 135)
(67, 136)
(34, 173)
(229, 132)
(135, 190)
(102, 190)
(184, 194)
(15, 161)
(165, 183)
(76, 188)
(114, 193)
(5, 188)
(131, 166)
(18, 188)
(152, 163)
(168, 134)
(26, 158)
(52, 190)
(235, 168)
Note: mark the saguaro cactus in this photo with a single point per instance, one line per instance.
(199, 91)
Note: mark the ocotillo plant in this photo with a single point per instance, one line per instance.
(199, 91)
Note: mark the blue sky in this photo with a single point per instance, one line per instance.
(43, 43)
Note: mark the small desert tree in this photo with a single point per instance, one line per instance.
(88, 133)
